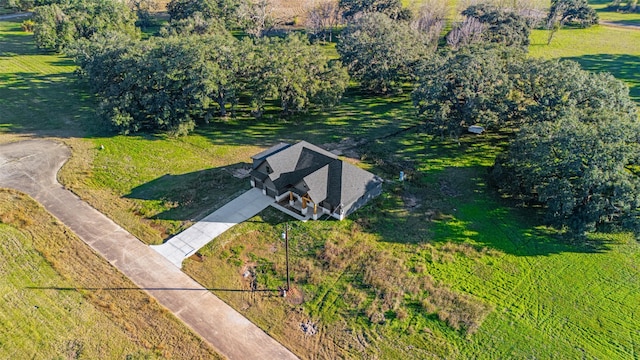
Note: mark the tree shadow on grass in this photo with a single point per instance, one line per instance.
(190, 196)
(48, 101)
(513, 231)
(457, 204)
(14, 41)
(480, 221)
(626, 22)
(622, 66)
(358, 116)
(46, 105)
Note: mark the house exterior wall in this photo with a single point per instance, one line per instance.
(263, 167)
(361, 201)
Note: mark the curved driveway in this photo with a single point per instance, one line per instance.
(31, 167)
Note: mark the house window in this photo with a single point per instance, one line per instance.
(269, 171)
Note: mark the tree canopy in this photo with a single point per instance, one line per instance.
(466, 87)
(500, 89)
(572, 11)
(183, 9)
(501, 26)
(380, 52)
(295, 72)
(578, 168)
(196, 24)
(170, 84)
(164, 84)
(58, 25)
(392, 8)
(551, 89)
(569, 11)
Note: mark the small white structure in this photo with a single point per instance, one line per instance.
(476, 129)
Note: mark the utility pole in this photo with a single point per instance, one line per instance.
(286, 249)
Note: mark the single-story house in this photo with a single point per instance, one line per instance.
(313, 177)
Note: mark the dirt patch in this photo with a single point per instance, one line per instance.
(295, 296)
(411, 201)
(346, 147)
(241, 173)
(197, 257)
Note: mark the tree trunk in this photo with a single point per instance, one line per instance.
(221, 103)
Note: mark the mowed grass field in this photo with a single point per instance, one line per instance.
(599, 48)
(449, 230)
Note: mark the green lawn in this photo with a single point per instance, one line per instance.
(460, 247)
(37, 91)
(609, 15)
(599, 48)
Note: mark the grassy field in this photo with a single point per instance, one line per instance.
(461, 244)
(61, 300)
(599, 48)
(613, 16)
(438, 252)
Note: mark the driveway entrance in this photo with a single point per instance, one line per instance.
(198, 235)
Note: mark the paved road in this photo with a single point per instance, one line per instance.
(198, 235)
(620, 25)
(31, 166)
(15, 16)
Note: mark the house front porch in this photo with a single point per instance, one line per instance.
(300, 207)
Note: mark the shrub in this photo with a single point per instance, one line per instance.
(27, 25)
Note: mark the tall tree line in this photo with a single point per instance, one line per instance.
(172, 83)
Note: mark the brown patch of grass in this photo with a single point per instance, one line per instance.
(460, 311)
(387, 275)
(356, 292)
(143, 320)
(468, 250)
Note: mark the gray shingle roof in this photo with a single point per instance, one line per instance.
(328, 179)
(354, 183)
(302, 158)
(270, 151)
(317, 184)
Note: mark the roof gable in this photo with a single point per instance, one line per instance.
(270, 151)
(317, 184)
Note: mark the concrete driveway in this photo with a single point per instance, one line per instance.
(31, 167)
(198, 235)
